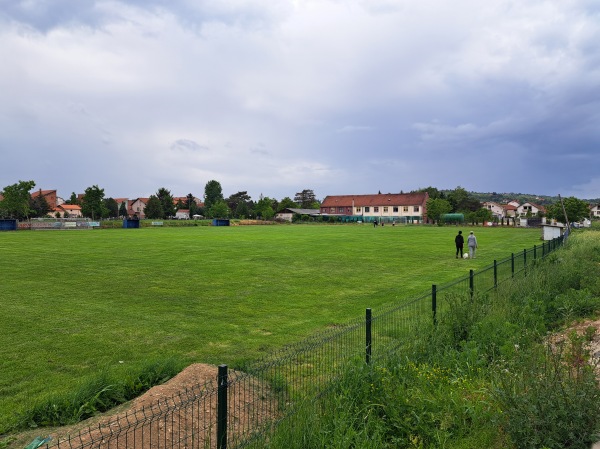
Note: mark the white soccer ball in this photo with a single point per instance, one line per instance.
(465, 255)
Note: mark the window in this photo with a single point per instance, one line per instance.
(416, 209)
(367, 209)
(405, 208)
(332, 210)
(341, 210)
(396, 209)
(358, 210)
(385, 209)
(375, 208)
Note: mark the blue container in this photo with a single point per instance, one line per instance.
(8, 225)
(130, 223)
(220, 222)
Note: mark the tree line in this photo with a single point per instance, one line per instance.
(17, 202)
(460, 201)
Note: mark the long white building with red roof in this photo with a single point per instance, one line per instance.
(384, 207)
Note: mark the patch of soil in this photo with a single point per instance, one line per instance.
(179, 413)
(583, 328)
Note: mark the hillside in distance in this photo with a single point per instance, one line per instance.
(541, 200)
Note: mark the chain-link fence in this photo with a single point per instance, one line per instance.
(239, 406)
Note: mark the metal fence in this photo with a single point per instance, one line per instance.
(42, 224)
(239, 406)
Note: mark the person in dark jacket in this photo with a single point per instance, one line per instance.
(459, 240)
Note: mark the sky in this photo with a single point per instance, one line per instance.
(274, 97)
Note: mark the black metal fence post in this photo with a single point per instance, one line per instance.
(495, 274)
(525, 261)
(222, 382)
(434, 303)
(369, 339)
(534, 252)
(471, 282)
(543, 250)
(512, 265)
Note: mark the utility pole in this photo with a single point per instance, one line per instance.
(565, 212)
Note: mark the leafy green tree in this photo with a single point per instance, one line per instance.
(92, 204)
(38, 205)
(193, 206)
(305, 199)
(154, 208)
(213, 193)
(462, 201)
(166, 200)
(73, 199)
(15, 202)
(235, 200)
(264, 208)
(242, 210)
(433, 193)
(112, 207)
(436, 208)
(219, 210)
(195, 209)
(576, 210)
(483, 214)
(287, 203)
(189, 199)
(123, 210)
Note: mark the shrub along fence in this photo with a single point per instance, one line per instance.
(239, 406)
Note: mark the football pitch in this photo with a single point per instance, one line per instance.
(75, 303)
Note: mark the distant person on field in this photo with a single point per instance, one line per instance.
(472, 242)
(375, 223)
(460, 241)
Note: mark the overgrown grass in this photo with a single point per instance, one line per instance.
(79, 303)
(488, 377)
(97, 394)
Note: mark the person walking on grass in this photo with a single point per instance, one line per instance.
(459, 240)
(472, 242)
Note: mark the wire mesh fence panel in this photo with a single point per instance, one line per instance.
(448, 292)
(504, 270)
(284, 380)
(483, 280)
(392, 327)
(184, 420)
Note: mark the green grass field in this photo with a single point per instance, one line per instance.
(75, 303)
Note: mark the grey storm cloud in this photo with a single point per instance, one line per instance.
(276, 97)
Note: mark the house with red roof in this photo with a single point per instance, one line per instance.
(49, 195)
(510, 210)
(530, 209)
(137, 206)
(67, 211)
(496, 209)
(388, 207)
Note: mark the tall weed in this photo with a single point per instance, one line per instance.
(550, 398)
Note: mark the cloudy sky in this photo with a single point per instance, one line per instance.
(277, 96)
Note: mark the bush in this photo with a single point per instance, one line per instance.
(550, 399)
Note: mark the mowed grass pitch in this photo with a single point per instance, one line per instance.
(75, 303)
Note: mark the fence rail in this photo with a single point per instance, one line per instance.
(237, 406)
